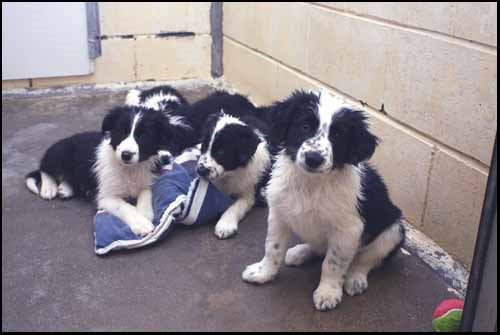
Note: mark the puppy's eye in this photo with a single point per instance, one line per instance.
(220, 152)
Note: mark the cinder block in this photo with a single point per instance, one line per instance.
(404, 162)
(249, 72)
(276, 29)
(13, 84)
(289, 30)
(333, 5)
(473, 21)
(173, 58)
(117, 61)
(123, 18)
(289, 81)
(238, 22)
(263, 35)
(348, 54)
(454, 205)
(443, 89)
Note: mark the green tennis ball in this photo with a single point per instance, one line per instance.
(447, 316)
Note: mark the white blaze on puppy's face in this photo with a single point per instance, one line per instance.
(129, 145)
(315, 154)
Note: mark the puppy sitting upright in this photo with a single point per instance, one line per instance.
(234, 152)
(322, 189)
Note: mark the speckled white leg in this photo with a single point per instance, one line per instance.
(278, 235)
(369, 257)
(341, 251)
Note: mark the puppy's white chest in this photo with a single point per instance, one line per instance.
(314, 206)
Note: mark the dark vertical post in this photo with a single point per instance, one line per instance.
(480, 310)
(216, 31)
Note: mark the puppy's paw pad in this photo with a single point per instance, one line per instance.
(225, 230)
(48, 191)
(256, 274)
(64, 191)
(142, 227)
(327, 299)
(355, 284)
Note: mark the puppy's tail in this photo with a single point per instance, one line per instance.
(133, 98)
(33, 181)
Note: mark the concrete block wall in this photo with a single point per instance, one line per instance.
(133, 51)
(427, 74)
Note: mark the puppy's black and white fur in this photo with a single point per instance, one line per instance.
(234, 152)
(110, 166)
(170, 102)
(323, 190)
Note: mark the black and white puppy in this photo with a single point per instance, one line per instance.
(323, 190)
(234, 152)
(110, 166)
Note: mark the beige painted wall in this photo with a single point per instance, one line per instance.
(145, 56)
(431, 66)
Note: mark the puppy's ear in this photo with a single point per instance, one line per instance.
(248, 145)
(364, 142)
(279, 116)
(207, 129)
(110, 119)
(175, 136)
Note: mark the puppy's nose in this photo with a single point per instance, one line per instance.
(202, 171)
(314, 159)
(127, 156)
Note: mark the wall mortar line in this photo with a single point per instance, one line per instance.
(465, 158)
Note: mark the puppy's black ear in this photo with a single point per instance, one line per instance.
(175, 135)
(110, 119)
(364, 142)
(247, 146)
(279, 116)
(207, 129)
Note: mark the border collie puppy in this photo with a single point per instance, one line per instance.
(323, 190)
(110, 166)
(234, 153)
(169, 101)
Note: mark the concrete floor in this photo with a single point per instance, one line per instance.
(53, 281)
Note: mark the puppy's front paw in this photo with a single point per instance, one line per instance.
(48, 190)
(257, 274)
(64, 191)
(356, 283)
(141, 226)
(225, 229)
(327, 297)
